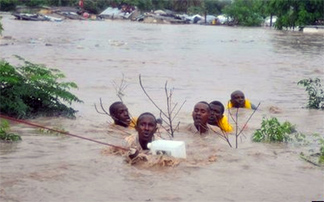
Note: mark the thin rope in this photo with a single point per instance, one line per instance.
(58, 131)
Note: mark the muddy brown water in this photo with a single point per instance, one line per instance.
(199, 63)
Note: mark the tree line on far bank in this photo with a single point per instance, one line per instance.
(289, 13)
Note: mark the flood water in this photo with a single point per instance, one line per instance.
(199, 63)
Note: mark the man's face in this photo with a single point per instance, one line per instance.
(146, 128)
(215, 113)
(238, 100)
(122, 117)
(201, 114)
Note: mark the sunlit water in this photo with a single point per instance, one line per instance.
(199, 63)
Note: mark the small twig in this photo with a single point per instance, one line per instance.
(120, 88)
(168, 96)
(230, 113)
(179, 109)
(102, 107)
(177, 127)
(161, 111)
(309, 161)
(249, 118)
(173, 108)
(168, 118)
(98, 110)
(236, 129)
(223, 135)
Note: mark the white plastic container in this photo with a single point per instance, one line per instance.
(176, 149)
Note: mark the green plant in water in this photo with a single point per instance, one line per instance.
(321, 157)
(33, 90)
(5, 135)
(315, 93)
(273, 131)
(1, 28)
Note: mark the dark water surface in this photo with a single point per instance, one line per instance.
(200, 63)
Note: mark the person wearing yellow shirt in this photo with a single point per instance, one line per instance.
(217, 117)
(119, 113)
(238, 101)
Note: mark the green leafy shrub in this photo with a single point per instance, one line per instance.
(273, 131)
(4, 135)
(315, 93)
(33, 90)
(321, 157)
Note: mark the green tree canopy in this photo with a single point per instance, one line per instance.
(245, 12)
(292, 13)
(34, 90)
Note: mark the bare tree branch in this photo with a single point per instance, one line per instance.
(168, 115)
(249, 118)
(224, 136)
(238, 130)
(161, 111)
(120, 88)
(179, 109)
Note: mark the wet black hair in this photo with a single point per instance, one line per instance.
(235, 92)
(144, 114)
(218, 103)
(204, 102)
(113, 108)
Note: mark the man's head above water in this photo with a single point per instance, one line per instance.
(238, 99)
(200, 116)
(216, 113)
(119, 113)
(146, 126)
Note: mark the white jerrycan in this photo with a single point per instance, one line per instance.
(176, 149)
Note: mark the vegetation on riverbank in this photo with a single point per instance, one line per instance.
(315, 93)
(290, 14)
(4, 133)
(34, 90)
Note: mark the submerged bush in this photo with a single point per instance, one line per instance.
(315, 93)
(34, 90)
(4, 135)
(1, 28)
(321, 158)
(273, 131)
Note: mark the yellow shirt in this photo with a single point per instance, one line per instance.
(225, 125)
(247, 104)
(133, 122)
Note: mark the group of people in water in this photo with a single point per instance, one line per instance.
(207, 117)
